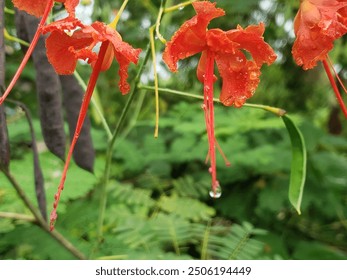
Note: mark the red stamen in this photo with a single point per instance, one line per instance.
(29, 51)
(83, 111)
(209, 117)
(334, 86)
(336, 75)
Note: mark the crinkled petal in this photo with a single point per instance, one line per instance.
(218, 42)
(190, 38)
(70, 6)
(63, 51)
(317, 24)
(251, 39)
(35, 8)
(66, 24)
(124, 53)
(240, 78)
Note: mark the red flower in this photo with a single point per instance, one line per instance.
(37, 7)
(63, 51)
(317, 24)
(240, 75)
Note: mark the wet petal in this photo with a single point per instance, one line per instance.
(63, 51)
(251, 39)
(70, 6)
(124, 53)
(190, 38)
(240, 78)
(35, 8)
(317, 24)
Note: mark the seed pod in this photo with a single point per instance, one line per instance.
(48, 88)
(4, 142)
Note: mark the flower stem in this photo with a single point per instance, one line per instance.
(334, 86)
(114, 23)
(40, 220)
(156, 83)
(111, 144)
(9, 37)
(31, 48)
(81, 117)
(277, 111)
(157, 24)
(179, 6)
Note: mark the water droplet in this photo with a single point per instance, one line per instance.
(210, 170)
(181, 8)
(253, 76)
(217, 193)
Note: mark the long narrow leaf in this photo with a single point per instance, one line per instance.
(298, 165)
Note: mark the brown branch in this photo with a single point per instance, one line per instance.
(40, 220)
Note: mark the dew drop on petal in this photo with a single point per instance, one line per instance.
(216, 194)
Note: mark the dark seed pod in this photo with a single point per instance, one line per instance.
(48, 87)
(83, 154)
(4, 142)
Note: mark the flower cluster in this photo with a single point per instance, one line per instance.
(238, 55)
(225, 48)
(317, 25)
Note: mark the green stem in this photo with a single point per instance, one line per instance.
(17, 216)
(95, 104)
(277, 111)
(40, 220)
(114, 23)
(157, 23)
(111, 144)
(156, 83)
(179, 6)
(9, 37)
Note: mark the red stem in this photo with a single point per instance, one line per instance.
(334, 86)
(31, 48)
(81, 117)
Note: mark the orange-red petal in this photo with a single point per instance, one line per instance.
(251, 39)
(240, 78)
(124, 53)
(35, 8)
(317, 24)
(63, 50)
(190, 38)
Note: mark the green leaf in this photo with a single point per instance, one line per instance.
(298, 165)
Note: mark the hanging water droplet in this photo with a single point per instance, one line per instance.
(181, 8)
(217, 193)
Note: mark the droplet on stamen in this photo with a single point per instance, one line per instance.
(217, 193)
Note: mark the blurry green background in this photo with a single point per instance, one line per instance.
(158, 196)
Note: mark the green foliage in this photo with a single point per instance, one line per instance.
(158, 203)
